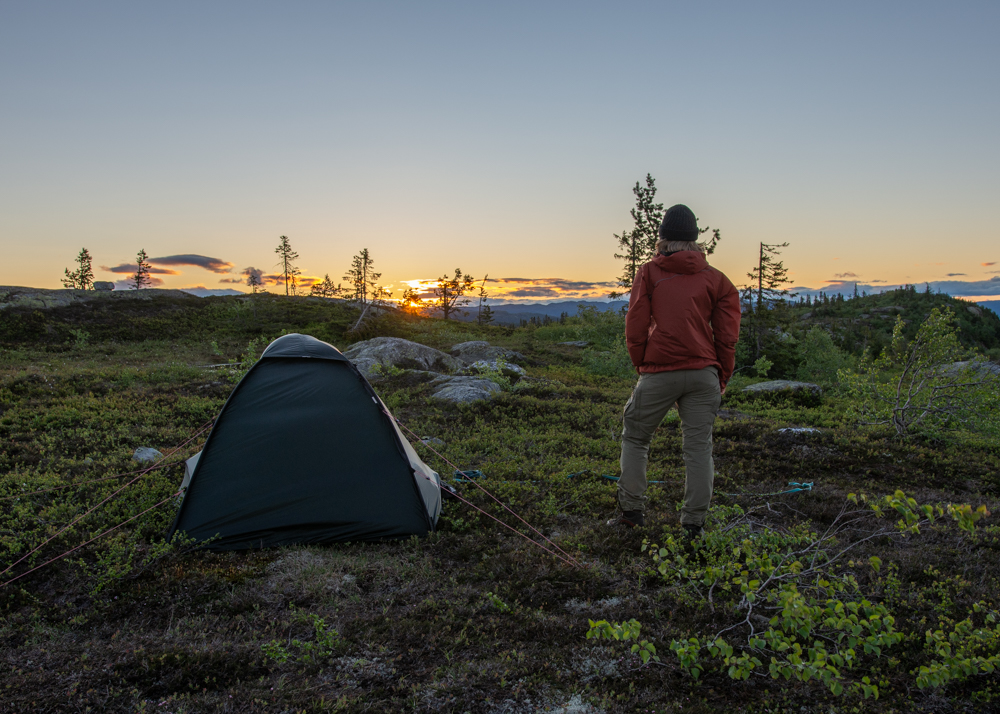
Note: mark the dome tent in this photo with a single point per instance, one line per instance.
(304, 452)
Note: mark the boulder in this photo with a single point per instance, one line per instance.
(480, 350)
(888, 308)
(399, 353)
(978, 312)
(574, 343)
(104, 285)
(508, 369)
(146, 455)
(462, 390)
(779, 385)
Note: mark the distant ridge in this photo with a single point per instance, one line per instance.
(513, 313)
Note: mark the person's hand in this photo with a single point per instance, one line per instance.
(722, 391)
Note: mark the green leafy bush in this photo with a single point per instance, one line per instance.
(930, 382)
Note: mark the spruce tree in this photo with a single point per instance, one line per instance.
(141, 277)
(362, 280)
(450, 291)
(83, 277)
(286, 261)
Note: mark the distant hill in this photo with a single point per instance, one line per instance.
(867, 321)
(993, 305)
(514, 313)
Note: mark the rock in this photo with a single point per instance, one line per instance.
(799, 430)
(508, 369)
(975, 310)
(731, 414)
(805, 316)
(104, 285)
(778, 385)
(431, 441)
(980, 369)
(478, 350)
(399, 353)
(888, 308)
(574, 343)
(146, 455)
(462, 390)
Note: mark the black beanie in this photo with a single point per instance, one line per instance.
(679, 223)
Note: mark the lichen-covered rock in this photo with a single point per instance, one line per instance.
(462, 390)
(779, 385)
(508, 369)
(481, 350)
(104, 285)
(146, 455)
(399, 353)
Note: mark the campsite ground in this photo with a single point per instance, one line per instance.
(473, 618)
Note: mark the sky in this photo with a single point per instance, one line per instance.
(499, 138)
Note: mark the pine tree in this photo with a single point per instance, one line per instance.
(449, 292)
(326, 288)
(141, 277)
(765, 289)
(253, 281)
(286, 262)
(362, 280)
(639, 244)
(83, 277)
(485, 315)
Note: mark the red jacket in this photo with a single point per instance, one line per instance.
(683, 314)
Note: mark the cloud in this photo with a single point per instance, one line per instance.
(845, 275)
(231, 280)
(129, 269)
(986, 265)
(127, 284)
(954, 275)
(216, 265)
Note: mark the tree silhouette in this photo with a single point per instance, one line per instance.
(362, 280)
(638, 245)
(83, 277)
(770, 276)
(326, 288)
(485, 315)
(450, 291)
(286, 262)
(141, 277)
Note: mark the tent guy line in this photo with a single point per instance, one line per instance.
(481, 488)
(160, 465)
(142, 473)
(63, 555)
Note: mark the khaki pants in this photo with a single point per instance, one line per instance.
(696, 392)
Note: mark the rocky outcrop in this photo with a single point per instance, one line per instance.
(480, 350)
(14, 297)
(400, 354)
(464, 389)
(780, 385)
(104, 286)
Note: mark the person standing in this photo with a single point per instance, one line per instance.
(681, 330)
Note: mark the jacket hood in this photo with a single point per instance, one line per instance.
(687, 262)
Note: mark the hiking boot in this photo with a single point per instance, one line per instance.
(629, 519)
(692, 532)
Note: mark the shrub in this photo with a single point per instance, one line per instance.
(820, 359)
(924, 383)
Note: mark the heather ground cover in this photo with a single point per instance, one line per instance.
(816, 601)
